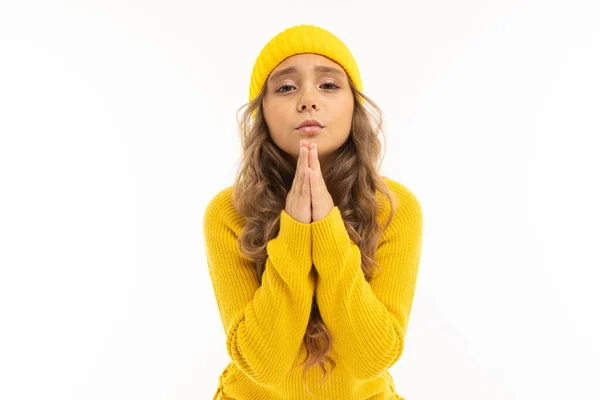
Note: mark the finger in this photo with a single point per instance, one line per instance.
(306, 154)
(315, 177)
(314, 184)
(299, 171)
(314, 160)
(303, 163)
(299, 162)
(306, 185)
(305, 157)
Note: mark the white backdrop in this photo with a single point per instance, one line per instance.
(117, 126)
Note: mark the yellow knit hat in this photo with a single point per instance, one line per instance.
(302, 39)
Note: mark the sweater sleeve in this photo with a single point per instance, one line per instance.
(368, 320)
(264, 323)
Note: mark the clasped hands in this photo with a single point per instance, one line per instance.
(321, 200)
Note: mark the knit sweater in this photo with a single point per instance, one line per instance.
(265, 323)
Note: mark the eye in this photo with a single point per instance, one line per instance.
(279, 90)
(332, 84)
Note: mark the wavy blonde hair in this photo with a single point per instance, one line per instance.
(265, 176)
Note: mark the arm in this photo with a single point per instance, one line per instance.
(264, 324)
(368, 320)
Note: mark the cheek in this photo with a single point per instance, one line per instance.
(344, 109)
(270, 114)
(277, 121)
(349, 106)
(274, 112)
(343, 116)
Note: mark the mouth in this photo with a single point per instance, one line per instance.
(310, 122)
(310, 128)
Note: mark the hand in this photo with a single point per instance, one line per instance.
(322, 202)
(297, 203)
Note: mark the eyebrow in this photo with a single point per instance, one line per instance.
(318, 68)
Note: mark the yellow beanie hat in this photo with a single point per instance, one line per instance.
(302, 39)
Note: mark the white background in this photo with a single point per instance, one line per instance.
(117, 126)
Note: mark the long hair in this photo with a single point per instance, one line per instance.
(265, 175)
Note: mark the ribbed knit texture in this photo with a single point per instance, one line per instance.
(298, 40)
(265, 324)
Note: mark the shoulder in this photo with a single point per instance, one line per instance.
(399, 188)
(220, 208)
(222, 198)
(409, 207)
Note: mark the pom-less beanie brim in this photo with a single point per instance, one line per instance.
(302, 39)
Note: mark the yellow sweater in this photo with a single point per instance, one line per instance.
(265, 324)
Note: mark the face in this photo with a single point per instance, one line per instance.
(317, 89)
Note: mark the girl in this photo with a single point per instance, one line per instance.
(293, 245)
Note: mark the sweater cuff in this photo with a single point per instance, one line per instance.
(331, 242)
(295, 238)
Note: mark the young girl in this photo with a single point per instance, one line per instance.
(313, 255)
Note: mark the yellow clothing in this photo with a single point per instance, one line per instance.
(265, 324)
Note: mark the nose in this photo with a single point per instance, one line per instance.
(307, 100)
(314, 106)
